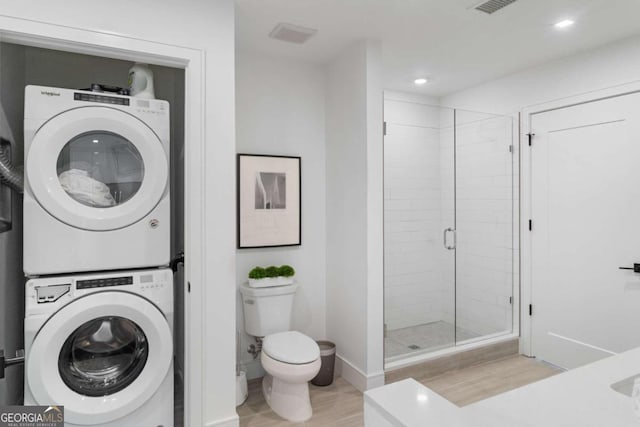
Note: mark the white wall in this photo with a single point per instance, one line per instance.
(412, 211)
(280, 110)
(206, 25)
(354, 212)
(607, 66)
(374, 114)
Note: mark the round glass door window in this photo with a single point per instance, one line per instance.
(103, 356)
(100, 169)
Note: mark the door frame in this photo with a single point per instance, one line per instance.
(192, 60)
(526, 255)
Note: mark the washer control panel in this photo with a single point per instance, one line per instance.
(48, 294)
(104, 282)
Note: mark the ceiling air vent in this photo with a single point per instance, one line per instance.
(292, 33)
(493, 6)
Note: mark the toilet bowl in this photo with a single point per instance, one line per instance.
(291, 360)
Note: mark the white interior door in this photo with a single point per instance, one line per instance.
(585, 175)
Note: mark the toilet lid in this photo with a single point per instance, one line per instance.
(291, 347)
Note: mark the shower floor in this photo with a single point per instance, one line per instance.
(427, 337)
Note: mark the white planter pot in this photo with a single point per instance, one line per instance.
(270, 281)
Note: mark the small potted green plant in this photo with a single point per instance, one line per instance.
(262, 277)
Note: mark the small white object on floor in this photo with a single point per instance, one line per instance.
(242, 391)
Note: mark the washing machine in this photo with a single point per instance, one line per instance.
(96, 181)
(101, 346)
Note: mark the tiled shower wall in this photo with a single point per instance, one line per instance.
(412, 217)
(420, 284)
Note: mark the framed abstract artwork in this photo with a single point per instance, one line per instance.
(269, 201)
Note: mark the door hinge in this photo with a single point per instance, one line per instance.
(384, 128)
(530, 309)
(511, 148)
(530, 225)
(530, 135)
(189, 287)
(510, 300)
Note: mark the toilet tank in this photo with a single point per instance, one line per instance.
(267, 310)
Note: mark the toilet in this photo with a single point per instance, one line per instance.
(290, 358)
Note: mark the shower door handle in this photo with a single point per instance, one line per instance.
(444, 238)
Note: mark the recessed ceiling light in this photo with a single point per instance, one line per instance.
(564, 23)
(420, 81)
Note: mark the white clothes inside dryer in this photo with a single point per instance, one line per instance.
(100, 169)
(86, 190)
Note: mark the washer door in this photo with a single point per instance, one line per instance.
(97, 168)
(101, 356)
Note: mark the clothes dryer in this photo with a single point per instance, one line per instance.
(96, 181)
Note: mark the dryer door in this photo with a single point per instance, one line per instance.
(97, 168)
(102, 356)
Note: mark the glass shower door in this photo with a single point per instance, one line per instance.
(445, 328)
(485, 227)
(418, 205)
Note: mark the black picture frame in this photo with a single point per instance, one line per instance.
(269, 201)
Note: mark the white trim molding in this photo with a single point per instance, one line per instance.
(356, 377)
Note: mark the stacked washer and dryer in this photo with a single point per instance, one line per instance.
(99, 302)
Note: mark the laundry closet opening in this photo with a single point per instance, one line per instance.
(22, 66)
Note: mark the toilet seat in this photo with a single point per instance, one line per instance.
(291, 347)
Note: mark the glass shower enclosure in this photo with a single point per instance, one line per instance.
(450, 236)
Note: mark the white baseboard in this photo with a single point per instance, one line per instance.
(356, 377)
(228, 422)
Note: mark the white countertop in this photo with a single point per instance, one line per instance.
(582, 397)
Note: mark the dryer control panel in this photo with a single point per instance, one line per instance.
(104, 99)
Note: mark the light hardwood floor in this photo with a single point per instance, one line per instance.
(475, 383)
(340, 404)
